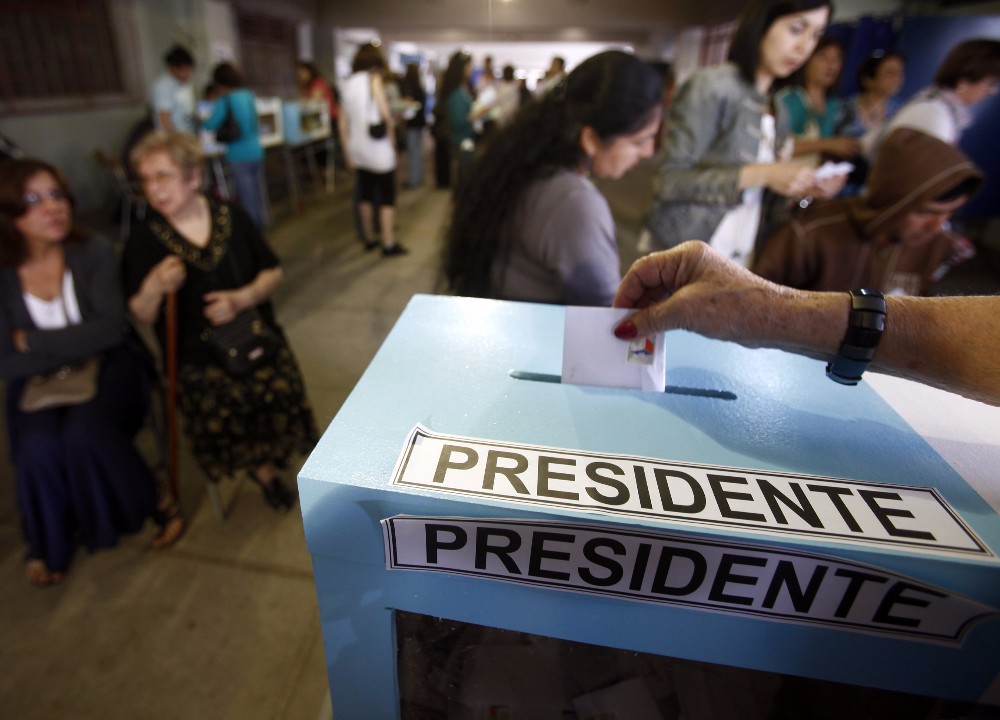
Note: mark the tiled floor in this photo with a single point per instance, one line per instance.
(224, 625)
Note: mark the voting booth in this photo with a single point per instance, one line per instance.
(306, 121)
(754, 521)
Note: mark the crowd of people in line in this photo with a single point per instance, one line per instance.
(749, 237)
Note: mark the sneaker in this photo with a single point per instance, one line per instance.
(396, 249)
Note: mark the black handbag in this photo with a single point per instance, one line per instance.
(376, 130)
(229, 130)
(243, 344)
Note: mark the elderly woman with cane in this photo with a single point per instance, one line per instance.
(240, 389)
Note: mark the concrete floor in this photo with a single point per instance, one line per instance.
(224, 624)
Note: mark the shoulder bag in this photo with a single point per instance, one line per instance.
(229, 130)
(376, 130)
(245, 342)
(68, 385)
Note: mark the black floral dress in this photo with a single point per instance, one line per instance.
(233, 423)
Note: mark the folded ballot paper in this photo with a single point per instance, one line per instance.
(592, 355)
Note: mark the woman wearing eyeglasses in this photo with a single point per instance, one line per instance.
(78, 474)
(251, 419)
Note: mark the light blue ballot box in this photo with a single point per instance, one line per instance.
(755, 515)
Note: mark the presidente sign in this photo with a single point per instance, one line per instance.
(780, 585)
(902, 516)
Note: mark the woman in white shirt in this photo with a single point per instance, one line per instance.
(79, 476)
(367, 132)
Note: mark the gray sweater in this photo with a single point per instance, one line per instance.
(559, 245)
(95, 273)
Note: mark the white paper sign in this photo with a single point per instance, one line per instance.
(761, 501)
(592, 355)
(718, 576)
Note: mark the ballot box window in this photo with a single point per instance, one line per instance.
(460, 671)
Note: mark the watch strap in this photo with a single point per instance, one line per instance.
(864, 330)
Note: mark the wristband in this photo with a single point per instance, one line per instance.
(864, 330)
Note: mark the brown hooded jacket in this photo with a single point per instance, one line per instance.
(853, 242)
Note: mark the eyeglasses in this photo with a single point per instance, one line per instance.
(33, 199)
(161, 176)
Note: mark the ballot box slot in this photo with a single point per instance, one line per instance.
(670, 389)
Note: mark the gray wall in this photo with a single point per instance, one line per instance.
(146, 29)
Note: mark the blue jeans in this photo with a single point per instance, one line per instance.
(415, 154)
(248, 181)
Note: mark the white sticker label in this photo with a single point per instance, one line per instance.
(769, 584)
(766, 502)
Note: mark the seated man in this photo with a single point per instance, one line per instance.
(893, 238)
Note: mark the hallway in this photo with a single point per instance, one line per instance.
(224, 625)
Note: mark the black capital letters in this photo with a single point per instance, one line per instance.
(434, 542)
(884, 514)
(802, 600)
(856, 580)
(722, 496)
(699, 567)
(445, 462)
(895, 596)
(725, 575)
(502, 551)
(803, 509)
(621, 491)
(663, 486)
(834, 494)
(614, 568)
(545, 473)
(511, 473)
(539, 553)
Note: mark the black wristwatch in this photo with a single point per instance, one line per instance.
(864, 330)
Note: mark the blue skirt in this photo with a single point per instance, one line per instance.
(80, 478)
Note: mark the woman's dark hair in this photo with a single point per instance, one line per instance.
(798, 78)
(868, 68)
(452, 79)
(178, 56)
(454, 75)
(613, 92)
(972, 61)
(411, 74)
(756, 20)
(310, 69)
(226, 75)
(508, 73)
(367, 57)
(14, 177)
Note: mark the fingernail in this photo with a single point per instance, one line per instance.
(626, 330)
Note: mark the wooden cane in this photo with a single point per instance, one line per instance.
(170, 363)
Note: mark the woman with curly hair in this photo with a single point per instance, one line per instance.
(528, 223)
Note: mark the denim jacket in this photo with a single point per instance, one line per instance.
(714, 130)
